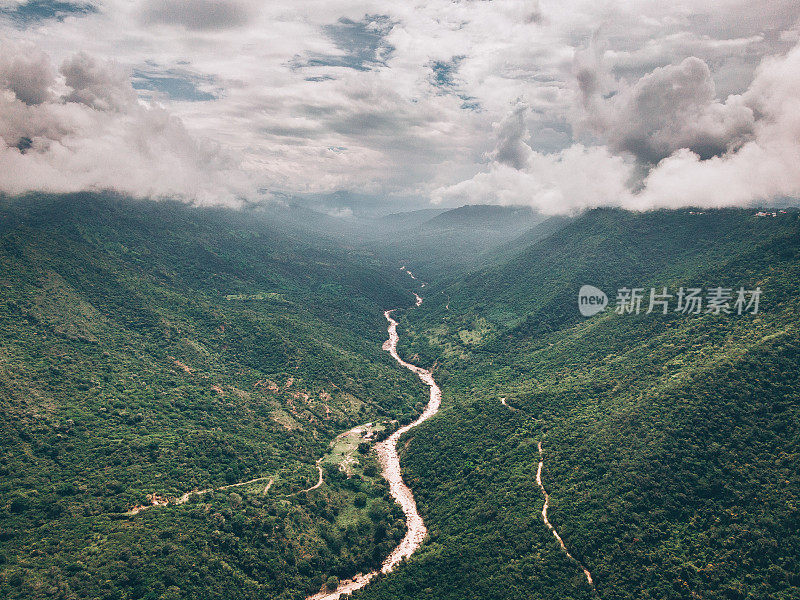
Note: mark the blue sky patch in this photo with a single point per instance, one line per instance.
(34, 11)
(444, 71)
(176, 84)
(443, 77)
(362, 43)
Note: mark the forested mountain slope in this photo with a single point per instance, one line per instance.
(151, 348)
(448, 242)
(670, 442)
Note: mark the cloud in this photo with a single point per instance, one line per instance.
(671, 108)
(99, 85)
(29, 75)
(710, 154)
(574, 179)
(511, 132)
(197, 15)
(765, 167)
(394, 100)
(340, 212)
(95, 134)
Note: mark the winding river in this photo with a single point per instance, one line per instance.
(390, 463)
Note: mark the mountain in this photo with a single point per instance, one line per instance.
(452, 240)
(431, 241)
(403, 221)
(485, 216)
(150, 349)
(179, 386)
(537, 283)
(669, 441)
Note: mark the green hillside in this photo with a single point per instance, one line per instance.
(670, 441)
(150, 348)
(153, 348)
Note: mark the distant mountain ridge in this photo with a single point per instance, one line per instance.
(486, 216)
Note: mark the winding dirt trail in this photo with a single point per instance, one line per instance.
(390, 463)
(159, 502)
(319, 481)
(550, 525)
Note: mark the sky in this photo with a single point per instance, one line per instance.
(558, 105)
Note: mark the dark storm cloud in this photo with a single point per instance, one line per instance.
(197, 15)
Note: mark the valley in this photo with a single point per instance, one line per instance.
(390, 465)
(448, 300)
(202, 403)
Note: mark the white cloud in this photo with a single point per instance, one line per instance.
(565, 182)
(317, 96)
(102, 86)
(757, 167)
(96, 135)
(27, 74)
(766, 167)
(672, 107)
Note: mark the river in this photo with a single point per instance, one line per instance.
(390, 464)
